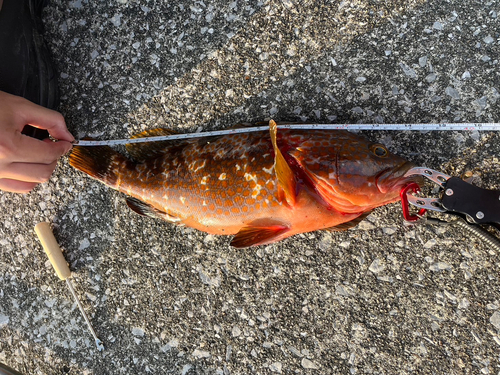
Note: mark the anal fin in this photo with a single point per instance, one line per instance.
(145, 209)
(262, 233)
(284, 174)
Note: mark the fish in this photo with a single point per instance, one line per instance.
(261, 187)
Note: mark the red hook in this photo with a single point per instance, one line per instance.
(413, 186)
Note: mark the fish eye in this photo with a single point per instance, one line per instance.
(380, 151)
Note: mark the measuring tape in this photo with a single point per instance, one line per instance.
(399, 127)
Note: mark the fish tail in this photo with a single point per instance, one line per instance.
(100, 162)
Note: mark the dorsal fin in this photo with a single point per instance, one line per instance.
(264, 123)
(284, 174)
(148, 150)
(241, 125)
(261, 123)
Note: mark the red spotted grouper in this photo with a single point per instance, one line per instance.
(260, 187)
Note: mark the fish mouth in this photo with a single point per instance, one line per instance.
(394, 178)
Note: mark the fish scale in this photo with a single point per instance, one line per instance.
(203, 189)
(259, 186)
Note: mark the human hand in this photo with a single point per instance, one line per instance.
(24, 161)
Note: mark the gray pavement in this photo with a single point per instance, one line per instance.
(383, 298)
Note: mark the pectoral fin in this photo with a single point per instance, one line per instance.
(256, 234)
(284, 174)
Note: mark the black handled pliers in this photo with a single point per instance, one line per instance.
(477, 205)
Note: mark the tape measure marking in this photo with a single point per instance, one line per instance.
(392, 127)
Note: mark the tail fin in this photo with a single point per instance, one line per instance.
(100, 162)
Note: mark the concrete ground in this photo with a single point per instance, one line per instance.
(383, 298)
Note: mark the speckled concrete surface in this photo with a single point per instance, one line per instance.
(383, 298)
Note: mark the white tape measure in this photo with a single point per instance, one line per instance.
(398, 127)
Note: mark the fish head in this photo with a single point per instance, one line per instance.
(368, 175)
